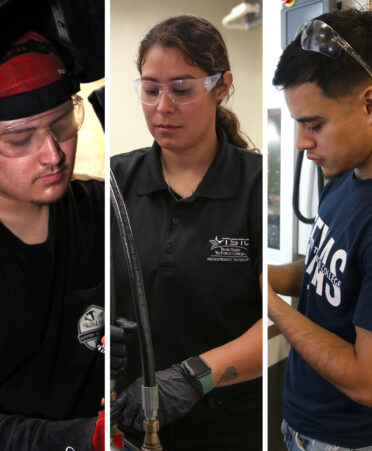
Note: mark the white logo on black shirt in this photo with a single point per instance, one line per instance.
(90, 327)
(229, 250)
(326, 263)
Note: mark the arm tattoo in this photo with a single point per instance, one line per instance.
(229, 375)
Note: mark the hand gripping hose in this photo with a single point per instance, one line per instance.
(150, 401)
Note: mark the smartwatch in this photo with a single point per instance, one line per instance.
(199, 369)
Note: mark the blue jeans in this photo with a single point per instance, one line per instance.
(299, 442)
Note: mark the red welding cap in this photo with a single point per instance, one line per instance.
(33, 78)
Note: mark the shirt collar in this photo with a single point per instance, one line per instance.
(220, 181)
(151, 178)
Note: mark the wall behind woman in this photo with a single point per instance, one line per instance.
(130, 21)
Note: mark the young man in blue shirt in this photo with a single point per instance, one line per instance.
(327, 80)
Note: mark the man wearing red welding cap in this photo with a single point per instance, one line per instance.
(326, 74)
(51, 258)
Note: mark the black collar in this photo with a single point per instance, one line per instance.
(221, 180)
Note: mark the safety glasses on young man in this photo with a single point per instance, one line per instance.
(22, 137)
(181, 92)
(320, 37)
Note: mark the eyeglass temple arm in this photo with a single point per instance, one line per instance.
(347, 47)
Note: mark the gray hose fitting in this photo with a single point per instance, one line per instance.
(150, 402)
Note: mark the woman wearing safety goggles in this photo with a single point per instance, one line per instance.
(194, 200)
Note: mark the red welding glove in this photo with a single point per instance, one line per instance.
(99, 435)
(118, 441)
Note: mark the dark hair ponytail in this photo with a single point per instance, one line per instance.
(203, 46)
(226, 119)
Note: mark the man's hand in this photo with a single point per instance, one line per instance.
(118, 335)
(272, 298)
(178, 392)
(345, 365)
(287, 279)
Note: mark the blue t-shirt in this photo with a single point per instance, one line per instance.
(336, 293)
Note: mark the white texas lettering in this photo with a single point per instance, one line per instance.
(319, 223)
(321, 260)
(335, 300)
(318, 265)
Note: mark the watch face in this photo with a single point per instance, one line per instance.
(197, 367)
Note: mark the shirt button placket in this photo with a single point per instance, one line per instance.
(170, 245)
(168, 248)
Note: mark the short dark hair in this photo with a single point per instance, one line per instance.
(336, 77)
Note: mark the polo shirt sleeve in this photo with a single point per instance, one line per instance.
(255, 222)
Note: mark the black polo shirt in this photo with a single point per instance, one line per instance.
(201, 256)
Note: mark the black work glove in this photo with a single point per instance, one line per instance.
(118, 338)
(178, 392)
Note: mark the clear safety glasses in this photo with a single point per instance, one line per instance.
(182, 92)
(318, 36)
(22, 137)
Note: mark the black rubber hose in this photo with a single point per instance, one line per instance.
(320, 179)
(135, 275)
(296, 189)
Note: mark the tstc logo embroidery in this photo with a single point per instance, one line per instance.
(326, 263)
(90, 327)
(229, 250)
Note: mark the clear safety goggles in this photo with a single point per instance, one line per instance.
(182, 92)
(22, 137)
(318, 36)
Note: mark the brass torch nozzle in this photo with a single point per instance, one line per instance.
(151, 441)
